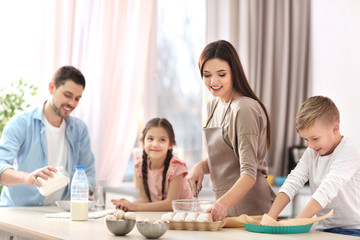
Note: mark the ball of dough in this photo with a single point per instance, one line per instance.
(119, 214)
(110, 217)
(130, 216)
(148, 220)
(159, 221)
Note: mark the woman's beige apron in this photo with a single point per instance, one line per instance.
(224, 169)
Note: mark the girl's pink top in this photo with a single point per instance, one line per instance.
(155, 177)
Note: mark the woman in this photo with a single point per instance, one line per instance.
(237, 136)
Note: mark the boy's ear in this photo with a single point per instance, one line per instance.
(336, 127)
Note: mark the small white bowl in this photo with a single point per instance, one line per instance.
(65, 205)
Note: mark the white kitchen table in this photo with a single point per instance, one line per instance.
(31, 223)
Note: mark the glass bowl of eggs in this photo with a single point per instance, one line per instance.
(191, 205)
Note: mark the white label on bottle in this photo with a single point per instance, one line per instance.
(79, 210)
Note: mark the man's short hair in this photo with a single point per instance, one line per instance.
(68, 72)
(316, 108)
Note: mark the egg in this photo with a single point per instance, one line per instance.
(179, 217)
(167, 216)
(204, 217)
(191, 217)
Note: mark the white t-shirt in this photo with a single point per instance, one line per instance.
(334, 183)
(57, 153)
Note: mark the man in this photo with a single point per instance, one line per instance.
(34, 143)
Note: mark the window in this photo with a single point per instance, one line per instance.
(175, 90)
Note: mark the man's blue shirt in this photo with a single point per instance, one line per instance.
(23, 148)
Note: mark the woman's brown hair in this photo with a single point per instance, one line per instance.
(225, 51)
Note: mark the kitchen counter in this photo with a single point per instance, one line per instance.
(129, 191)
(30, 223)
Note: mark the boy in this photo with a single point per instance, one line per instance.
(332, 166)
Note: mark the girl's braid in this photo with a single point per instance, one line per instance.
(144, 175)
(169, 156)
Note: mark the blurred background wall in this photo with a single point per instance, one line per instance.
(140, 61)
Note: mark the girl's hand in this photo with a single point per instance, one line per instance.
(91, 198)
(218, 211)
(195, 178)
(122, 204)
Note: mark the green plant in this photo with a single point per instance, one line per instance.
(13, 100)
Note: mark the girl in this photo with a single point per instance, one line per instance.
(159, 174)
(237, 137)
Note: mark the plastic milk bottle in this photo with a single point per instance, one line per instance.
(79, 195)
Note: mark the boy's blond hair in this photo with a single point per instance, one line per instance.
(316, 108)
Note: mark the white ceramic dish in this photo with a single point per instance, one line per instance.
(65, 205)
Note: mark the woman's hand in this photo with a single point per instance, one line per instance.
(230, 198)
(218, 211)
(195, 177)
(123, 204)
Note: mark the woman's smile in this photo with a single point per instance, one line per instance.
(215, 88)
(218, 79)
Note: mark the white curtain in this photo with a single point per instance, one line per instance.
(110, 42)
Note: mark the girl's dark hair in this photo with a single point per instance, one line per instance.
(68, 73)
(225, 51)
(164, 123)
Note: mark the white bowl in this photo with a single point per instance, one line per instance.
(65, 205)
